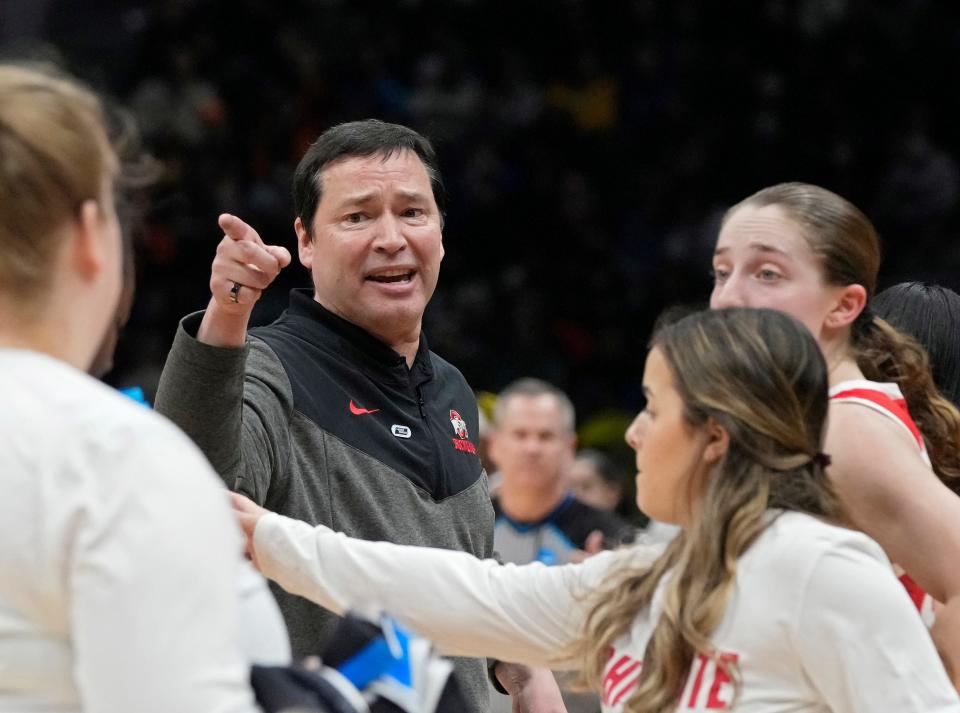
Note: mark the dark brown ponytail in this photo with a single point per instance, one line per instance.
(884, 354)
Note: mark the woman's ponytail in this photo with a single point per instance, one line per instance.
(884, 354)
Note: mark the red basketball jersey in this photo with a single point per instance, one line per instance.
(888, 400)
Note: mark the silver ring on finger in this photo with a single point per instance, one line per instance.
(235, 293)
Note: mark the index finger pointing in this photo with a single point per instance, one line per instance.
(236, 229)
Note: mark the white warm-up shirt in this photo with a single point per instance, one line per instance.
(118, 555)
(816, 621)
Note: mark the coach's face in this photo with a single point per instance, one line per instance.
(376, 243)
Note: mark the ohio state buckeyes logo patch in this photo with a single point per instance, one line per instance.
(459, 425)
(460, 428)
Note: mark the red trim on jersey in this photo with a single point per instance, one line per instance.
(917, 595)
(896, 407)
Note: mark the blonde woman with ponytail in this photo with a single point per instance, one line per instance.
(894, 439)
(759, 605)
(118, 553)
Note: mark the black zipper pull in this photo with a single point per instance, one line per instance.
(423, 413)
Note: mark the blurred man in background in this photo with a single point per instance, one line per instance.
(533, 443)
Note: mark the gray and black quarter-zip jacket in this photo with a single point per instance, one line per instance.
(316, 419)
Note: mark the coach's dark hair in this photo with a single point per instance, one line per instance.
(370, 137)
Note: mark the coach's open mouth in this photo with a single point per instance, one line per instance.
(390, 276)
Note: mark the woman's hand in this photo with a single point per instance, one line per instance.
(248, 514)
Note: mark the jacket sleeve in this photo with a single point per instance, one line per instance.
(235, 404)
(862, 644)
(468, 607)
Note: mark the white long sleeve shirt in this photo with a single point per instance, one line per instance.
(816, 621)
(118, 555)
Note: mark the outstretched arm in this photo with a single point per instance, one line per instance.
(468, 607)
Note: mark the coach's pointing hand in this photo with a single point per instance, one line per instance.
(243, 267)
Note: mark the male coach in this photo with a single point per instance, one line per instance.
(338, 413)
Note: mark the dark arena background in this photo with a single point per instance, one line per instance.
(589, 149)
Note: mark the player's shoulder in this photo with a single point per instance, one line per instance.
(868, 406)
(870, 409)
(80, 429)
(66, 400)
(793, 543)
(858, 438)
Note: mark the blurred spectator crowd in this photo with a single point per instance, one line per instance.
(589, 148)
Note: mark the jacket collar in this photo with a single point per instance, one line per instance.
(367, 349)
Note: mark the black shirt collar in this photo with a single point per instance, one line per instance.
(371, 350)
